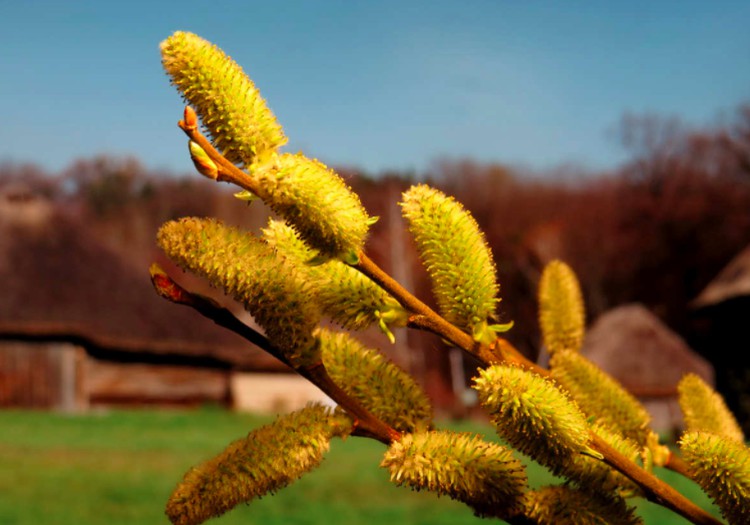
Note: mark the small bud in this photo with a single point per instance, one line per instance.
(202, 161)
(190, 119)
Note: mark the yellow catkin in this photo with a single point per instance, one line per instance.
(722, 468)
(242, 127)
(248, 269)
(561, 310)
(385, 390)
(483, 475)
(533, 415)
(268, 459)
(567, 505)
(704, 409)
(457, 258)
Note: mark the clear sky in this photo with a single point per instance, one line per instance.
(378, 85)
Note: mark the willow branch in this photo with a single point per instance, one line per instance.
(655, 490)
(424, 318)
(365, 423)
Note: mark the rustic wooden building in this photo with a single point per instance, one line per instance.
(649, 359)
(720, 316)
(80, 327)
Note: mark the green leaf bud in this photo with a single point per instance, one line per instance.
(561, 312)
(267, 460)
(230, 107)
(248, 269)
(327, 215)
(564, 504)
(343, 293)
(533, 415)
(721, 467)
(483, 475)
(599, 395)
(457, 258)
(704, 409)
(388, 392)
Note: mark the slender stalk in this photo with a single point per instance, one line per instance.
(365, 423)
(656, 490)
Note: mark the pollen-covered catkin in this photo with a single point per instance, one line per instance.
(248, 269)
(533, 415)
(561, 312)
(704, 409)
(326, 214)
(483, 475)
(242, 127)
(457, 258)
(267, 460)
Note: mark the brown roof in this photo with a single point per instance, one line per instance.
(733, 281)
(635, 347)
(55, 278)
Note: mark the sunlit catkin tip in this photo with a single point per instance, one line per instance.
(248, 269)
(227, 101)
(561, 310)
(533, 415)
(202, 161)
(325, 212)
(563, 504)
(705, 409)
(722, 468)
(456, 256)
(483, 475)
(268, 459)
(600, 396)
(365, 374)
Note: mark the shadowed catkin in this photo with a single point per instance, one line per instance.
(563, 505)
(483, 475)
(248, 269)
(327, 215)
(562, 318)
(242, 127)
(533, 415)
(342, 292)
(599, 395)
(457, 258)
(704, 409)
(268, 459)
(722, 468)
(385, 390)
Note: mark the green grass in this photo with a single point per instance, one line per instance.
(120, 467)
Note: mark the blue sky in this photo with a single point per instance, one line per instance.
(378, 85)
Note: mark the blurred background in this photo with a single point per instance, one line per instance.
(616, 138)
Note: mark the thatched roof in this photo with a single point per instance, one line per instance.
(635, 347)
(733, 281)
(57, 280)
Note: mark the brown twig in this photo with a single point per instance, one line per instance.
(365, 423)
(655, 490)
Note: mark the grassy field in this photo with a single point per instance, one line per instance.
(119, 468)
